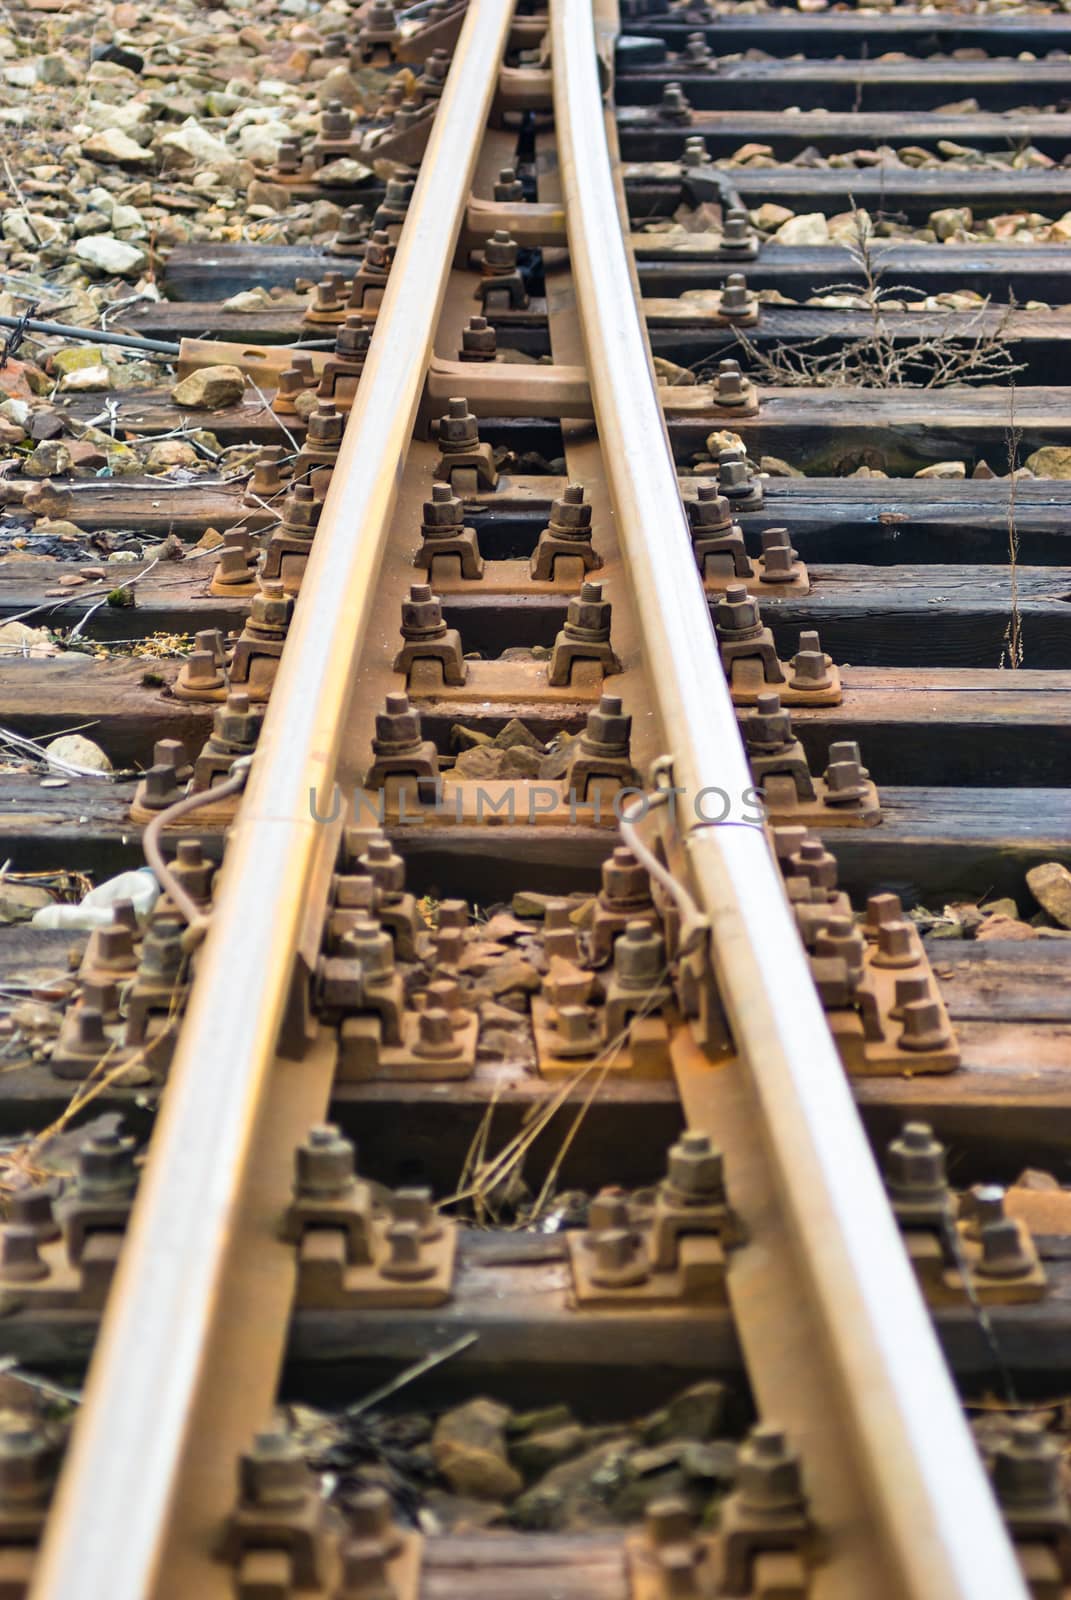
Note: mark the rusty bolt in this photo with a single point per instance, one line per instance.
(984, 1203)
(845, 776)
(89, 1031)
(915, 1165)
(587, 615)
(436, 1041)
(236, 721)
(810, 664)
(301, 509)
(1026, 1468)
(508, 186)
(328, 292)
(500, 251)
(373, 947)
(272, 1473)
(415, 1205)
(840, 937)
(695, 1169)
(406, 1261)
(696, 48)
(162, 952)
(379, 253)
(736, 299)
(882, 908)
(768, 726)
(28, 1460)
(668, 1521)
(738, 614)
(324, 1163)
(454, 914)
(351, 225)
(102, 997)
(624, 880)
(364, 1573)
(618, 1261)
(709, 512)
(695, 152)
(768, 1472)
(32, 1208)
(736, 232)
(734, 475)
(608, 1211)
(443, 512)
(457, 428)
(383, 865)
(271, 609)
(674, 106)
(436, 66)
(478, 339)
(815, 863)
(571, 513)
(112, 947)
(608, 726)
(916, 987)
(898, 945)
(407, 113)
(1003, 1252)
(20, 1258)
(335, 121)
(288, 157)
(422, 613)
(397, 727)
(398, 193)
(325, 427)
(371, 1517)
(106, 1166)
(353, 338)
(639, 957)
(924, 1026)
(729, 387)
(444, 993)
(577, 1031)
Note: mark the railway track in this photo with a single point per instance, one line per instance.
(584, 707)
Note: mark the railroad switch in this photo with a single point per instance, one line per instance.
(59, 1250)
(501, 287)
(751, 663)
(1026, 1468)
(290, 542)
(464, 463)
(449, 548)
(564, 552)
(843, 797)
(670, 1251)
(431, 656)
(964, 1248)
(357, 1247)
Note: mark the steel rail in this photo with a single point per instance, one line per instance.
(918, 1472)
(104, 1537)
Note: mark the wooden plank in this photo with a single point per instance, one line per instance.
(848, 86)
(645, 136)
(852, 33)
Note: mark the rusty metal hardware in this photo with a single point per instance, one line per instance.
(338, 136)
(780, 563)
(508, 188)
(750, 658)
(431, 80)
(203, 674)
(624, 898)
(669, 1252)
(353, 230)
(236, 727)
(674, 106)
(1026, 1469)
(341, 372)
(738, 238)
(970, 1249)
(431, 656)
(379, 34)
(393, 208)
(464, 463)
(165, 781)
(235, 573)
(260, 644)
(668, 1560)
(501, 287)
(327, 303)
(736, 481)
(406, 137)
(479, 341)
(373, 880)
(397, 746)
(717, 540)
(323, 437)
(449, 548)
(599, 759)
(738, 306)
(584, 638)
(843, 797)
(194, 870)
(361, 1249)
(291, 540)
(281, 1528)
(271, 474)
(564, 552)
(370, 279)
(695, 152)
(696, 50)
(292, 383)
(59, 1250)
(766, 1512)
(733, 392)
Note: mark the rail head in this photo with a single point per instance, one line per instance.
(920, 1480)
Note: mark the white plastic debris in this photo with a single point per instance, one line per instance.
(95, 911)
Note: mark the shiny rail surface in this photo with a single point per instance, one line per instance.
(128, 1441)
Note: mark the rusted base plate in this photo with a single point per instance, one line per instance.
(645, 1055)
(220, 814)
(512, 682)
(747, 683)
(944, 1285)
(232, 591)
(508, 577)
(699, 1278)
(798, 584)
(882, 1057)
(67, 1287)
(363, 1058)
(326, 1281)
(783, 807)
(499, 801)
(648, 1578)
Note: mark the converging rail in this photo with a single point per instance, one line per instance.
(544, 472)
